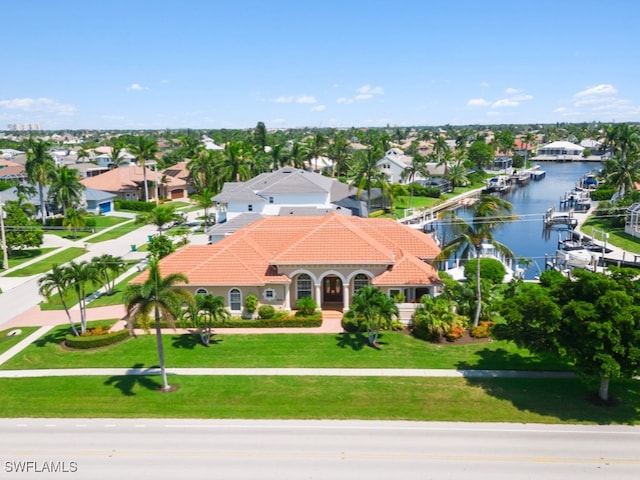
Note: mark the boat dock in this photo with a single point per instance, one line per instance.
(553, 218)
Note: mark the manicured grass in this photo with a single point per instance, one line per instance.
(116, 298)
(283, 351)
(122, 229)
(7, 342)
(617, 237)
(102, 222)
(20, 256)
(390, 398)
(45, 264)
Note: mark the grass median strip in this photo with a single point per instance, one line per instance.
(390, 398)
(45, 264)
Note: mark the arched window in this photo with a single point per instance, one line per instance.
(360, 280)
(201, 291)
(235, 300)
(304, 286)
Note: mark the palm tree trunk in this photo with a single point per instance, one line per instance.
(163, 372)
(144, 179)
(43, 208)
(603, 391)
(476, 317)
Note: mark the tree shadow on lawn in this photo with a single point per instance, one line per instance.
(126, 383)
(190, 341)
(55, 336)
(565, 399)
(357, 341)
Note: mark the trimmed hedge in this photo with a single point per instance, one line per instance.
(95, 341)
(134, 205)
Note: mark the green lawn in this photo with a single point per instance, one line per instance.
(45, 264)
(390, 398)
(283, 351)
(120, 230)
(617, 237)
(116, 298)
(7, 342)
(102, 222)
(18, 257)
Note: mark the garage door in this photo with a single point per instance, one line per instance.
(105, 207)
(177, 193)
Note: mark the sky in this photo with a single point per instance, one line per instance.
(211, 64)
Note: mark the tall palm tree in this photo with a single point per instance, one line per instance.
(66, 189)
(440, 148)
(144, 149)
(117, 147)
(58, 280)
(339, 151)
(377, 309)
(488, 214)
(24, 192)
(365, 172)
(236, 162)
(81, 275)
(528, 140)
(316, 146)
(39, 167)
(160, 295)
(418, 167)
(108, 268)
(623, 172)
(205, 170)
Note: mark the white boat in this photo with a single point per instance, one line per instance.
(500, 183)
(573, 254)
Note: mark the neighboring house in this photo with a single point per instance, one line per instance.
(502, 163)
(12, 171)
(98, 202)
(329, 258)
(105, 160)
(180, 173)
(286, 188)
(560, 151)
(89, 169)
(523, 149)
(127, 183)
(393, 164)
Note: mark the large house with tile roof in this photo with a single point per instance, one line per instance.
(287, 188)
(281, 259)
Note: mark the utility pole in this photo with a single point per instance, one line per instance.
(5, 258)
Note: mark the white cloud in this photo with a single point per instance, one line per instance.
(318, 108)
(511, 91)
(364, 96)
(505, 102)
(478, 102)
(521, 98)
(484, 84)
(344, 100)
(369, 90)
(296, 99)
(602, 89)
(136, 87)
(42, 104)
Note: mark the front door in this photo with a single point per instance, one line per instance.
(332, 291)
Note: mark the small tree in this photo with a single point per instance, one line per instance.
(377, 309)
(250, 304)
(210, 309)
(306, 305)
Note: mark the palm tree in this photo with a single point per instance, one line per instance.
(82, 153)
(210, 309)
(623, 172)
(488, 213)
(144, 149)
(418, 167)
(159, 216)
(316, 146)
(365, 171)
(108, 268)
(205, 201)
(66, 189)
(377, 309)
(204, 170)
(236, 163)
(57, 279)
(339, 151)
(117, 147)
(527, 140)
(24, 192)
(74, 219)
(39, 167)
(440, 148)
(80, 276)
(159, 294)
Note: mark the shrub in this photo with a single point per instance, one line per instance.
(134, 205)
(96, 340)
(602, 193)
(251, 303)
(482, 330)
(306, 305)
(352, 324)
(490, 269)
(454, 333)
(266, 312)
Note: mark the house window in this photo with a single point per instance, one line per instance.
(201, 291)
(269, 294)
(235, 300)
(360, 281)
(250, 208)
(270, 199)
(304, 286)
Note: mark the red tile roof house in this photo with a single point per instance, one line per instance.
(281, 259)
(127, 183)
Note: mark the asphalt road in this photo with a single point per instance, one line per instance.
(282, 450)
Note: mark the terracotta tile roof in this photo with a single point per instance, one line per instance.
(251, 255)
(125, 178)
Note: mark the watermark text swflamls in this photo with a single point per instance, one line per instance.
(32, 466)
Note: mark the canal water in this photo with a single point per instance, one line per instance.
(527, 236)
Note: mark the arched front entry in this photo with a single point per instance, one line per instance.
(332, 293)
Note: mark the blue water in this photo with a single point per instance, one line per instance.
(526, 236)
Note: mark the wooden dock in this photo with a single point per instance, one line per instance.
(553, 218)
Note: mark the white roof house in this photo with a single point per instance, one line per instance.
(394, 163)
(560, 151)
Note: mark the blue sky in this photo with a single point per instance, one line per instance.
(231, 64)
